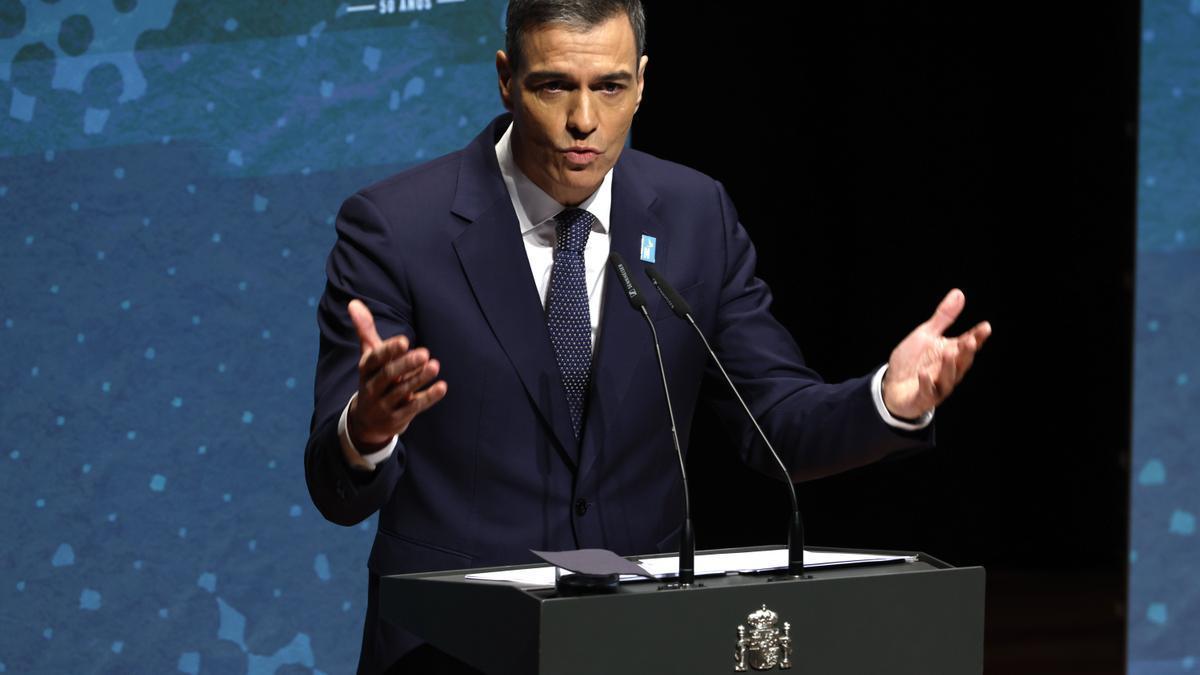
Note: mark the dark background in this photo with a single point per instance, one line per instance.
(879, 155)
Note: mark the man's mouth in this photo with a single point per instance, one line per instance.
(581, 155)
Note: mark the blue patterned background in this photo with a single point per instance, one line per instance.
(1164, 597)
(169, 174)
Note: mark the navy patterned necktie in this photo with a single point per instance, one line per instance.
(567, 315)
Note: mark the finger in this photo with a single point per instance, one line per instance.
(968, 346)
(424, 399)
(404, 368)
(982, 331)
(947, 374)
(381, 382)
(364, 325)
(420, 402)
(947, 312)
(401, 393)
(393, 348)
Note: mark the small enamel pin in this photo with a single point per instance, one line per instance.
(649, 244)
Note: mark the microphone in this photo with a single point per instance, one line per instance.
(682, 310)
(687, 537)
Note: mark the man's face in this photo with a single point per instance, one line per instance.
(572, 103)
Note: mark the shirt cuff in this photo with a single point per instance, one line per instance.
(355, 458)
(877, 396)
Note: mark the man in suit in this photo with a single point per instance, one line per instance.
(554, 435)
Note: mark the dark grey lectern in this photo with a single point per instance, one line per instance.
(920, 618)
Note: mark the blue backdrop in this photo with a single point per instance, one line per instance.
(1164, 597)
(169, 174)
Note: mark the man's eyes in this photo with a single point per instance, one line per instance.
(558, 86)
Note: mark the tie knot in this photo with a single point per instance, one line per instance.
(573, 228)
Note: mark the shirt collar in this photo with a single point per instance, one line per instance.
(533, 205)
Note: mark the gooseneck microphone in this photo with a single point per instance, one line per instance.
(681, 309)
(687, 537)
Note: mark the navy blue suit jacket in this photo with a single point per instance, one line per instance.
(494, 469)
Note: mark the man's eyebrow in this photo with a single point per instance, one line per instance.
(615, 76)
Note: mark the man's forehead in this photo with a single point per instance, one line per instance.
(606, 47)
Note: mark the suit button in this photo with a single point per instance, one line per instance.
(581, 507)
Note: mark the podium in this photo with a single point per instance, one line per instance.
(918, 617)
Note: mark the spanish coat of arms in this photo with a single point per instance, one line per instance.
(763, 646)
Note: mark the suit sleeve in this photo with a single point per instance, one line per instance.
(818, 428)
(363, 265)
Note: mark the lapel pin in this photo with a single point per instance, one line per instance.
(649, 244)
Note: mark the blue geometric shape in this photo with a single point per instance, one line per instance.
(260, 203)
(1154, 473)
(326, 89)
(117, 647)
(94, 120)
(22, 105)
(394, 100)
(48, 633)
(189, 662)
(413, 88)
(207, 581)
(371, 57)
(234, 157)
(297, 652)
(1183, 523)
(1157, 613)
(321, 567)
(231, 625)
(158, 482)
(89, 599)
(64, 556)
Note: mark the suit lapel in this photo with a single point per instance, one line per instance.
(624, 345)
(495, 263)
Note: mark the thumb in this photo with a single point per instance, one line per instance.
(947, 311)
(364, 323)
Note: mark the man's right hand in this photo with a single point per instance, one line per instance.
(391, 384)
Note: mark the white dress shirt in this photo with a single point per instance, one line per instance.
(535, 213)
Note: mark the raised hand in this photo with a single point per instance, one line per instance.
(926, 366)
(392, 381)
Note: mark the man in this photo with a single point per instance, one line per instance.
(553, 435)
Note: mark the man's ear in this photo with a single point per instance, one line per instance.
(641, 80)
(504, 75)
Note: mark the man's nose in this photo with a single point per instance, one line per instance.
(582, 119)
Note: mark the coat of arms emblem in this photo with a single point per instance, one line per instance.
(763, 646)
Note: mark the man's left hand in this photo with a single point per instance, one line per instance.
(926, 366)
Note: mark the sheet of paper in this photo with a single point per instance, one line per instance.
(706, 564)
(752, 561)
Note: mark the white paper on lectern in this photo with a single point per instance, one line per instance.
(755, 561)
(706, 564)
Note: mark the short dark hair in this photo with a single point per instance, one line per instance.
(525, 15)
